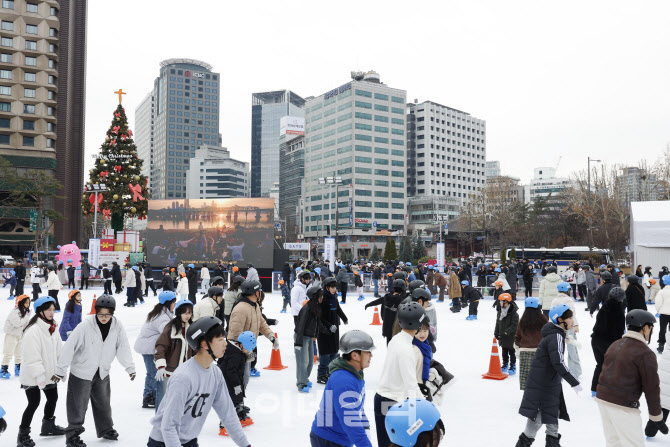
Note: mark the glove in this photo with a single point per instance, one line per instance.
(161, 374)
(433, 330)
(346, 322)
(426, 392)
(578, 388)
(333, 328)
(55, 378)
(275, 343)
(132, 376)
(366, 306)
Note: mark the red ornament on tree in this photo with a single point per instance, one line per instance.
(92, 199)
(104, 174)
(113, 142)
(115, 129)
(137, 189)
(106, 214)
(117, 114)
(130, 132)
(117, 168)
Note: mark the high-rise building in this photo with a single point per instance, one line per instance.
(357, 132)
(144, 133)
(640, 185)
(42, 99)
(492, 169)
(446, 151)
(291, 173)
(186, 116)
(545, 185)
(212, 174)
(267, 110)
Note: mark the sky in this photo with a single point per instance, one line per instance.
(567, 79)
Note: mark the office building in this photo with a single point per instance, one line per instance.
(640, 185)
(186, 116)
(492, 169)
(267, 110)
(427, 211)
(42, 99)
(545, 185)
(212, 174)
(144, 133)
(291, 172)
(446, 151)
(357, 132)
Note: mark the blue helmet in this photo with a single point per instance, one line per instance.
(465, 283)
(60, 262)
(298, 269)
(408, 264)
(557, 311)
(497, 270)
(43, 300)
(405, 421)
(248, 340)
(181, 303)
(136, 268)
(602, 266)
(563, 286)
(191, 266)
(532, 302)
(666, 280)
(166, 296)
(430, 267)
(318, 272)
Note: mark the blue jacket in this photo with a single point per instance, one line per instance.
(343, 425)
(70, 321)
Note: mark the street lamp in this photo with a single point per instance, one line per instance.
(95, 188)
(588, 197)
(332, 181)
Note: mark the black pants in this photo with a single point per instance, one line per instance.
(79, 392)
(528, 285)
(191, 297)
(599, 350)
(107, 286)
(36, 290)
(154, 443)
(70, 283)
(473, 308)
(149, 285)
(343, 288)
(33, 395)
(117, 286)
(581, 289)
(253, 363)
(382, 406)
(574, 290)
(665, 319)
(84, 281)
(54, 294)
(19, 286)
(509, 356)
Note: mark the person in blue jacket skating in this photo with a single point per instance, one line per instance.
(341, 420)
(72, 314)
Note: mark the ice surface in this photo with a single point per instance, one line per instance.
(476, 412)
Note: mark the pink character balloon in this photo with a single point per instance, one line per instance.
(69, 253)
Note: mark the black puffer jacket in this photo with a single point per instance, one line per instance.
(390, 303)
(610, 322)
(232, 366)
(309, 323)
(331, 314)
(544, 393)
(601, 295)
(506, 328)
(512, 278)
(635, 297)
(470, 295)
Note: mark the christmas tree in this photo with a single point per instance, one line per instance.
(119, 168)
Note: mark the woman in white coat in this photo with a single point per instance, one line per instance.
(42, 346)
(182, 286)
(53, 285)
(16, 322)
(145, 344)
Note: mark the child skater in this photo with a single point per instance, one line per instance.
(358, 282)
(506, 323)
(528, 337)
(285, 294)
(72, 314)
(563, 297)
(14, 325)
(471, 296)
(238, 353)
(41, 348)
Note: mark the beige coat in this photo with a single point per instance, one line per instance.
(206, 307)
(246, 316)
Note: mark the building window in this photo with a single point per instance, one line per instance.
(7, 26)
(6, 58)
(52, 64)
(51, 127)
(30, 77)
(29, 108)
(52, 79)
(365, 93)
(31, 45)
(32, 61)
(7, 42)
(51, 95)
(53, 11)
(5, 90)
(29, 141)
(53, 32)
(4, 139)
(28, 125)
(31, 7)
(8, 4)
(29, 92)
(5, 107)
(51, 142)
(5, 74)
(31, 29)
(4, 123)
(53, 48)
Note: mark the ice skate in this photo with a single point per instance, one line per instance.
(24, 439)
(305, 389)
(111, 435)
(49, 428)
(553, 441)
(504, 369)
(283, 311)
(74, 441)
(148, 402)
(4, 372)
(322, 380)
(524, 441)
(512, 370)
(17, 369)
(254, 373)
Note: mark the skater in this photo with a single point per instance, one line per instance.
(299, 294)
(89, 352)
(580, 281)
(107, 280)
(342, 278)
(195, 388)
(663, 309)
(139, 283)
(233, 363)
(528, 336)
(35, 275)
(70, 276)
(208, 307)
(129, 283)
(341, 419)
(549, 289)
(153, 327)
(590, 284)
(602, 293)
(285, 294)
(414, 422)
(654, 289)
(252, 273)
(84, 274)
(570, 275)
(543, 401)
(192, 276)
(16, 321)
(307, 329)
(635, 294)
(645, 281)
(629, 370)
(182, 287)
(72, 314)
(376, 277)
(390, 303)
(609, 327)
(471, 297)
(116, 277)
(423, 355)
(20, 274)
(571, 338)
(53, 285)
(204, 277)
(11, 280)
(61, 272)
(441, 283)
(507, 321)
(230, 298)
(430, 281)
(328, 342)
(171, 347)
(166, 284)
(527, 274)
(358, 282)
(41, 348)
(148, 279)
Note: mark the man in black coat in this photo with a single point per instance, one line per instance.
(609, 327)
(390, 302)
(116, 277)
(192, 276)
(512, 280)
(634, 294)
(664, 271)
(528, 274)
(286, 273)
(615, 275)
(167, 284)
(148, 279)
(329, 342)
(20, 274)
(602, 292)
(376, 277)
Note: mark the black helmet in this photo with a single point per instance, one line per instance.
(328, 281)
(238, 278)
(416, 284)
(586, 268)
(399, 284)
(314, 292)
(617, 293)
(356, 340)
(422, 294)
(647, 268)
(606, 276)
(166, 270)
(250, 287)
(552, 269)
(106, 302)
(249, 264)
(304, 274)
(410, 316)
(217, 279)
(214, 291)
(399, 275)
(640, 318)
(198, 330)
(633, 279)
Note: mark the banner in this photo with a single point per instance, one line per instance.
(135, 258)
(329, 250)
(94, 252)
(440, 256)
(107, 257)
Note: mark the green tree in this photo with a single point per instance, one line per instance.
(374, 255)
(419, 251)
(405, 249)
(390, 253)
(503, 255)
(512, 254)
(120, 169)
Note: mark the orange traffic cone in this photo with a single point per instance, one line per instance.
(92, 312)
(495, 373)
(275, 360)
(375, 319)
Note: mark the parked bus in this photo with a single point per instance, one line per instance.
(563, 256)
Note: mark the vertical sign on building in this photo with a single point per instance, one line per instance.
(329, 250)
(351, 205)
(94, 252)
(440, 256)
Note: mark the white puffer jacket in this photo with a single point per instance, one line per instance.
(298, 296)
(182, 287)
(14, 324)
(206, 307)
(151, 330)
(53, 283)
(39, 353)
(549, 290)
(663, 302)
(664, 376)
(129, 280)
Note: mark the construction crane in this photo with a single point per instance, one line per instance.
(558, 163)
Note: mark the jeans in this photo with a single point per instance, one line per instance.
(130, 295)
(150, 382)
(317, 441)
(205, 284)
(324, 361)
(79, 392)
(382, 406)
(160, 391)
(304, 359)
(532, 427)
(33, 395)
(376, 283)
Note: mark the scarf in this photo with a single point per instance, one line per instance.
(424, 347)
(503, 311)
(52, 324)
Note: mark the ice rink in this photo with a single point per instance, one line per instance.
(476, 412)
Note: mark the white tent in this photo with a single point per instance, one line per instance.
(650, 234)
